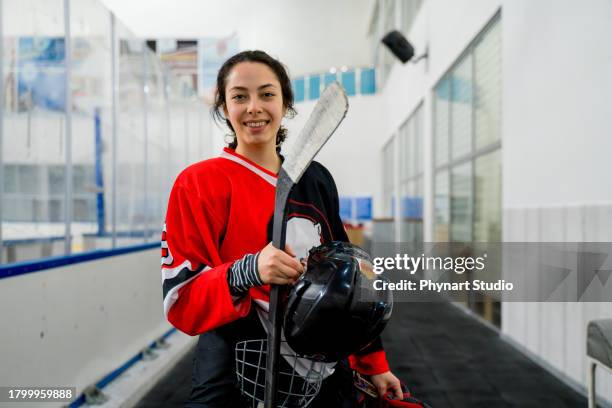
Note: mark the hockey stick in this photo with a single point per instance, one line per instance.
(323, 121)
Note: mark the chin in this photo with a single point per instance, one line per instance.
(259, 140)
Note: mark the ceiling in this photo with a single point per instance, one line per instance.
(308, 36)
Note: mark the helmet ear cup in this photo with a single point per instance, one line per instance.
(330, 312)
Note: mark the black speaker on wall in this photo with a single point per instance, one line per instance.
(399, 46)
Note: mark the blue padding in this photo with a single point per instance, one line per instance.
(117, 372)
(412, 207)
(368, 81)
(299, 89)
(346, 208)
(21, 268)
(314, 83)
(348, 82)
(329, 78)
(363, 208)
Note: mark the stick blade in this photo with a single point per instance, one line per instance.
(323, 121)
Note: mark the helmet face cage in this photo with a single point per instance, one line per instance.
(327, 317)
(294, 390)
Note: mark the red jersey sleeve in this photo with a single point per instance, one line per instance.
(194, 277)
(370, 364)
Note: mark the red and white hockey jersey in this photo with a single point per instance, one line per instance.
(220, 210)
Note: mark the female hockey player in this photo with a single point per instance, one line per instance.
(217, 259)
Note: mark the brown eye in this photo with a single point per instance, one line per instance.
(238, 97)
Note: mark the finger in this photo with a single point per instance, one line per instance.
(292, 263)
(293, 255)
(290, 250)
(398, 391)
(288, 271)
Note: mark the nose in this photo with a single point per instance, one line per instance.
(254, 106)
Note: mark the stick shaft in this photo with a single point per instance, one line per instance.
(283, 188)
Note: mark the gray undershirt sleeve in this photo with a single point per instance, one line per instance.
(243, 275)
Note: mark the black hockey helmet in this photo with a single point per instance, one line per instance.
(333, 310)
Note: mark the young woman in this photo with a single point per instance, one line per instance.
(217, 259)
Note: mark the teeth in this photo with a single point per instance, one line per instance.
(255, 124)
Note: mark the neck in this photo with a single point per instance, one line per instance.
(262, 155)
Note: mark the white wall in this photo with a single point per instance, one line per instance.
(556, 184)
(557, 64)
(352, 155)
(74, 324)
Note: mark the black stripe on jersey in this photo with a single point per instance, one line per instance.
(184, 275)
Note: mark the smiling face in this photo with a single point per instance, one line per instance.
(254, 104)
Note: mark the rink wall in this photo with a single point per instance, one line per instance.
(72, 325)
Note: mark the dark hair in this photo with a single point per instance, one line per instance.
(281, 73)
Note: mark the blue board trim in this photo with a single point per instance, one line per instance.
(117, 372)
(21, 268)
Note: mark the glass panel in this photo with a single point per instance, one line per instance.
(488, 85)
(404, 154)
(411, 146)
(418, 140)
(461, 108)
(461, 203)
(441, 119)
(406, 194)
(10, 179)
(412, 211)
(348, 82)
(34, 120)
(157, 142)
(130, 143)
(56, 181)
(91, 124)
(441, 207)
(419, 210)
(487, 198)
(29, 179)
(388, 180)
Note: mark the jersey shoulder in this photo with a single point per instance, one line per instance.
(206, 172)
(317, 173)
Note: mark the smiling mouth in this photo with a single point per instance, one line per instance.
(258, 124)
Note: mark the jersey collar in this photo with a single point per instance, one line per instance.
(265, 174)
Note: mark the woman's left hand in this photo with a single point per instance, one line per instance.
(387, 382)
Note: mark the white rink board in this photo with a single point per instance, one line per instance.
(72, 325)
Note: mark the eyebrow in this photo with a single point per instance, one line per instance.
(242, 88)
